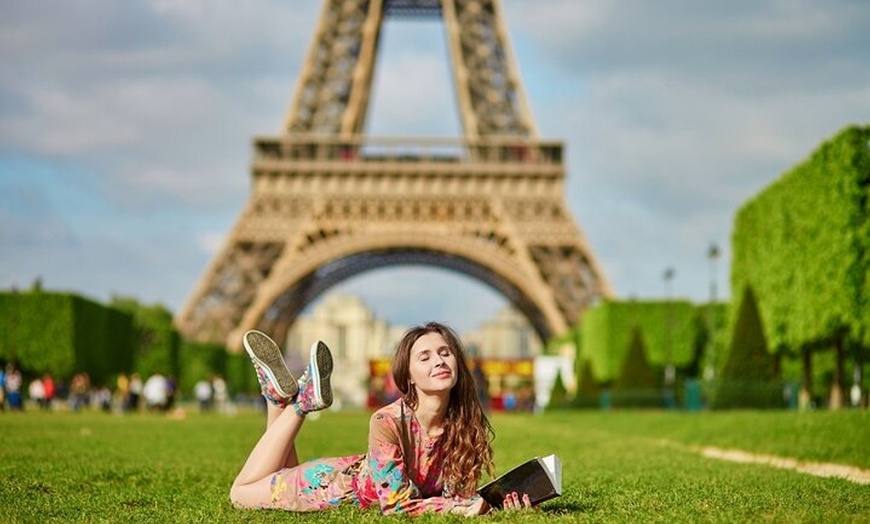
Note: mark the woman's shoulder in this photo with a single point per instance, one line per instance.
(394, 410)
(392, 415)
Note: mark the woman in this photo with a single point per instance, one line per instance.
(426, 451)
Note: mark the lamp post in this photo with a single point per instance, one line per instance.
(712, 256)
(670, 372)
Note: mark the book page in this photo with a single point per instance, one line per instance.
(553, 467)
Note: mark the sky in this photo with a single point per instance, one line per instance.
(126, 128)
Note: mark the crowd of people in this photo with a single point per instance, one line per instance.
(158, 393)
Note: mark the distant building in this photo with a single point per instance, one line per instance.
(349, 327)
(508, 335)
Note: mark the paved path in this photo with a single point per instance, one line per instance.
(819, 469)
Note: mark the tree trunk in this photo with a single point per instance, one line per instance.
(839, 366)
(807, 382)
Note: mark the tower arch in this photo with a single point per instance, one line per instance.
(286, 294)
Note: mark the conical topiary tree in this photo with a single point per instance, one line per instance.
(638, 383)
(559, 394)
(587, 387)
(748, 378)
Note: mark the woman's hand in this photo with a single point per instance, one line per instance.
(513, 501)
(480, 507)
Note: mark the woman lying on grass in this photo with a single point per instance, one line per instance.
(426, 451)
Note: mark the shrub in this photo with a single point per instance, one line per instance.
(748, 378)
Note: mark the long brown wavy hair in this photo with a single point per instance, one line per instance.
(466, 441)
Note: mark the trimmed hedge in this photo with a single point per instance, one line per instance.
(587, 395)
(638, 384)
(558, 394)
(749, 377)
(158, 342)
(637, 373)
(803, 246)
(63, 334)
(241, 378)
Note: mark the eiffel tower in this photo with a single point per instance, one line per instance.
(328, 202)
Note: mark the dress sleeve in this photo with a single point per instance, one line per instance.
(395, 490)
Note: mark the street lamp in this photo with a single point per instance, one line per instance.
(670, 372)
(712, 256)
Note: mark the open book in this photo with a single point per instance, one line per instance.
(540, 478)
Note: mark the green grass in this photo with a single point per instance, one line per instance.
(619, 466)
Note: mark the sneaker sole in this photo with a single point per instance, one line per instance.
(321, 363)
(265, 352)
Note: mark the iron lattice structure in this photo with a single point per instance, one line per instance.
(328, 202)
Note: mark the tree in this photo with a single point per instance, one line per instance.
(559, 394)
(748, 378)
(587, 388)
(638, 384)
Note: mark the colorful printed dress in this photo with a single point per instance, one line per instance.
(401, 473)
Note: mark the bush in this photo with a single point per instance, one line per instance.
(587, 390)
(748, 378)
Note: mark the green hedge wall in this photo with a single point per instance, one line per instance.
(157, 341)
(665, 327)
(803, 246)
(63, 334)
(241, 378)
(104, 339)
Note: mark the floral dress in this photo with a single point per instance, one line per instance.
(400, 473)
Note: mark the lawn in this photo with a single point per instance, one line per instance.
(619, 466)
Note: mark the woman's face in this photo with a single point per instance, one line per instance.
(433, 365)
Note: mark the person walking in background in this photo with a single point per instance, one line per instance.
(426, 451)
(203, 393)
(13, 387)
(2, 386)
(122, 392)
(102, 398)
(36, 392)
(80, 390)
(50, 390)
(135, 392)
(220, 394)
(171, 392)
(156, 393)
